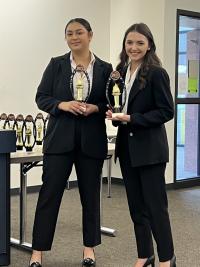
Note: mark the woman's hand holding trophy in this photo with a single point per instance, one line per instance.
(80, 90)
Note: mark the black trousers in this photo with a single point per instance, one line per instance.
(56, 171)
(148, 205)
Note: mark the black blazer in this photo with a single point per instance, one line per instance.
(53, 89)
(149, 107)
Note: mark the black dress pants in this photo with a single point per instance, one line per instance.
(148, 205)
(56, 170)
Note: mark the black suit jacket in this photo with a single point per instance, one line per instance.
(149, 107)
(55, 88)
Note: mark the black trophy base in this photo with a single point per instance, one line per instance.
(19, 147)
(39, 143)
(28, 149)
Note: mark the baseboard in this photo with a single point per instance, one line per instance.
(115, 180)
(72, 184)
(187, 183)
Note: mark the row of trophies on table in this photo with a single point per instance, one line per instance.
(29, 131)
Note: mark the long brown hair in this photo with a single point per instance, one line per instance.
(150, 59)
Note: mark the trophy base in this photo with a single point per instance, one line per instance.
(39, 143)
(117, 114)
(19, 147)
(28, 149)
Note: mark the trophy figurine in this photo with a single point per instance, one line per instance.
(3, 121)
(80, 84)
(11, 121)
(18, 127)
(39, 125)
(19, 144)
(79, 88)
(46, 123)
(39, 134)
(116, 93)
(30, 133)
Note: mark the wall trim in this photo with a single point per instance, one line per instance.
(119, 181)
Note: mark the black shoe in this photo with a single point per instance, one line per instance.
(88, 261)
(35, 264)
(150, 261)
(173, 261)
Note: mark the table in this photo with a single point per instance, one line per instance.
(27, 161)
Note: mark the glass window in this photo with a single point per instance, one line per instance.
(187, 141)
(187, 97)
(188, 57)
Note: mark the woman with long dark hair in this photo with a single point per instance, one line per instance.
(142, 146)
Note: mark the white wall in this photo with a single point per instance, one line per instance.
(128, 12)
(32, 31)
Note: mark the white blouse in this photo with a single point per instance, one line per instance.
(129, 80)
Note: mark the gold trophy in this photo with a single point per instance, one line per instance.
(116, 93)
(39, 125)
(46, 120)
(79, 89)
(39, 134)
(3, 121)
(11, 121)
(30, 132)
(18, 126)
(80, 84)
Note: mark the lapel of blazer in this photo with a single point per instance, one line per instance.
(67, 72)
(97, 76)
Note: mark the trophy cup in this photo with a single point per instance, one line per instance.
(3, 121)
(80, 84)
(19, 121)
(116, 93)
(39, 125)
(29, 131)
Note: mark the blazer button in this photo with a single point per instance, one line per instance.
(130, 134)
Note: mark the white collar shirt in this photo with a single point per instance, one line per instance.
(129, 80)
